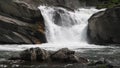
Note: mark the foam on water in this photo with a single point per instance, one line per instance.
(50, 46)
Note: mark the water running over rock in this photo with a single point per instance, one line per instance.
(64, 29)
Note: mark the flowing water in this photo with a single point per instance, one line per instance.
(64, 28)
(67, 29)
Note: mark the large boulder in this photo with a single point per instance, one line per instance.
(66, 55)
(20, 23)
(35, 54)
(104, 27)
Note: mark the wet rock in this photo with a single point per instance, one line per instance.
(26, 55)
(101, 63)
(103, 27)
(35, 54)
(66, 55)
(63, 55)
(83, 60)
(63, 18)
(42, 55)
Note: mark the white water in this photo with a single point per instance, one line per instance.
(70, 31)
(71, 27)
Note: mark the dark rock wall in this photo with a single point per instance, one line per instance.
(20, 23)
(104, 27)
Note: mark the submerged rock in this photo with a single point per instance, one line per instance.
(101, 63)
(103, 27)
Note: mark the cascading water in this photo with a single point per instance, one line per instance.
(64, 29)
(64, 26)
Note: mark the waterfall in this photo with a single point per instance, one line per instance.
(64, 29)
(63, 26)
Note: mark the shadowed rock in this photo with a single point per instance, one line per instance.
(20, 10)
(64, 55)
(20, 23)
(103, 27)
(61, 56)
(101, 63)
(68, 56)
(35, 54)
(63, 18)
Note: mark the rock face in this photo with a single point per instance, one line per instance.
(62, 56)
(20, 23)
(61, 17)
(103, 27)
(19, 10)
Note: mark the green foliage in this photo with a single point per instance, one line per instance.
(114, 1)
(109, 4)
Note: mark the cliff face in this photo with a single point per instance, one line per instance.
(20, 23)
